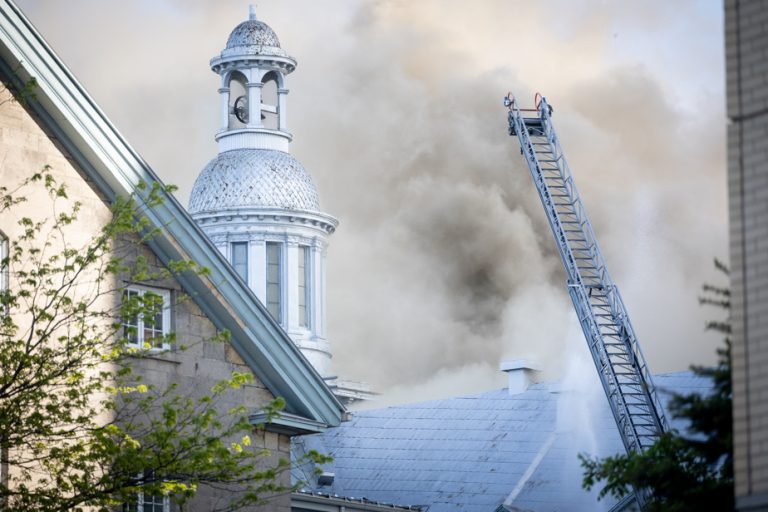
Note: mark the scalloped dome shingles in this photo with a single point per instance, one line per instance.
(253, 37)
(253, 178)
(253, 33)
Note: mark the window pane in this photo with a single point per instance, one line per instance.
(273, 273)
(303, 289)
(153, 320)
(131, 324)
(274, 291)
(153, 503)
(240, 259)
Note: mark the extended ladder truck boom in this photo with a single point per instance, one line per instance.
(623, 372)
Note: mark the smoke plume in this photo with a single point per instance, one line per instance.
(443, 263)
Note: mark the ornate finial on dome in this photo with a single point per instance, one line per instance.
(252, 12)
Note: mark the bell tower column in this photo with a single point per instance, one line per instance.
(254, 103)
(224, 105)
(282, 96)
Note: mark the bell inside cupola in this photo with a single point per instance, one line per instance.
(238, 101)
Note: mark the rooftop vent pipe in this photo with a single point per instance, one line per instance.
(521, 373)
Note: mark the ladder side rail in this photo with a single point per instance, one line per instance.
(585, 224)
(553, 218)
(615, 301)
(613, 297)
(587, 320)
(608, 380)
(616, 304)
(654, 401)
(611, 384)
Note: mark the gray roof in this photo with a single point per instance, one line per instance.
(253, 178)
(477, 452)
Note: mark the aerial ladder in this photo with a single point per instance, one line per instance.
(623, 372)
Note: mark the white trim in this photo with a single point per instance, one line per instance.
(166, 327)
(139, 505)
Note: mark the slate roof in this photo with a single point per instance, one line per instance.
(474, 453)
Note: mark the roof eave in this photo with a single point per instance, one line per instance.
(286, 423)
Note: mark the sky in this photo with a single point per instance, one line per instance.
(443, 264)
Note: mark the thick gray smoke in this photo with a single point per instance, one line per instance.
(444, 264)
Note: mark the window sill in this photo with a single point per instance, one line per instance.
(164, 356)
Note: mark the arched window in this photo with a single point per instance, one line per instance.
(269, 108)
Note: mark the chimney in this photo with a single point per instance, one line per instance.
(520, 374)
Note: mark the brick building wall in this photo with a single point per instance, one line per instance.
(746, 36)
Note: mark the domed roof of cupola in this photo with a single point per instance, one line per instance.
(253, 33)
(253, 38)
(253, 178)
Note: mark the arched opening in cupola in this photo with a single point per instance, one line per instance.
(238, 100)
(269, 102)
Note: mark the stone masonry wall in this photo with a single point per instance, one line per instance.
(201, 365)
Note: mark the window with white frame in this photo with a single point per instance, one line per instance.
(274, 280)
(239, 259)
(304, 280)
(149, 319)
(149, 503)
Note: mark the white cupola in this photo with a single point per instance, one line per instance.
(255, 201)
(253, 96)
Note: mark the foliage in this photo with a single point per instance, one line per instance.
(19, 90)
(78, 427)
(691, 471)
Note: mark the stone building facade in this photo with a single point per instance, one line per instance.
(746, 41)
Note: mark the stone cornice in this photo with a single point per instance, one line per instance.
(264, 217)
(223, 62)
